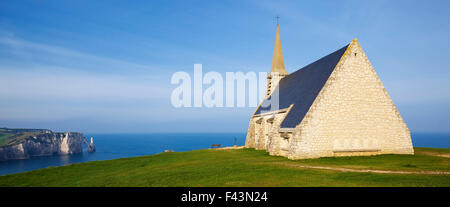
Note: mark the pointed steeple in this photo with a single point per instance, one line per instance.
(277, 71)
(277, 60)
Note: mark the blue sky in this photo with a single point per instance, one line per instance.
(105, 66)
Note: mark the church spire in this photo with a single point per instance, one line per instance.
(277, 71)
(277, 60)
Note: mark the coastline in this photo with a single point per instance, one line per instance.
(237, 166)
(111, 146)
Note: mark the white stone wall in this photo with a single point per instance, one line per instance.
(352, 115)
(265, 135)
(250, 139)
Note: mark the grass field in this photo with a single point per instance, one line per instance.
(245, 167)
(13, 136)
(4, 137)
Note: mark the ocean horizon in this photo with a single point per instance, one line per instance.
(123, 145)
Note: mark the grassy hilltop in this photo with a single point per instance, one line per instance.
(246, 167)
(12, 136)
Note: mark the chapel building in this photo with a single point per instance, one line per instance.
(335, 106)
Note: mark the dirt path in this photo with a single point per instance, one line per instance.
(228, 148)
(361, 170)
(369, 171)
(435, 154)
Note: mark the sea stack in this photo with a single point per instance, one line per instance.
(91, 146)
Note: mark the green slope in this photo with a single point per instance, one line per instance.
(12, 136)
(243, 167)
(4, 137)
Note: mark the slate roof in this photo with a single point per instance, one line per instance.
(302, 87)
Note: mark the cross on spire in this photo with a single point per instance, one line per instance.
(278, 18)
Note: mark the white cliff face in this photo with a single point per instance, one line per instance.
(20, 149)
(64, 147)
(45, 144)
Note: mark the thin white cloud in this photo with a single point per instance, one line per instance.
(46, 51)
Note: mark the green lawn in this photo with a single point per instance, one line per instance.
(4, 136)
(13, 136)
(244, 167)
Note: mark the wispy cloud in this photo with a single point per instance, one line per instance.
(42, 51)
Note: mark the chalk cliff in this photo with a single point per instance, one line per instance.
(44, 143)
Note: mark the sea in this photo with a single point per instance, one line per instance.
(114, 146)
